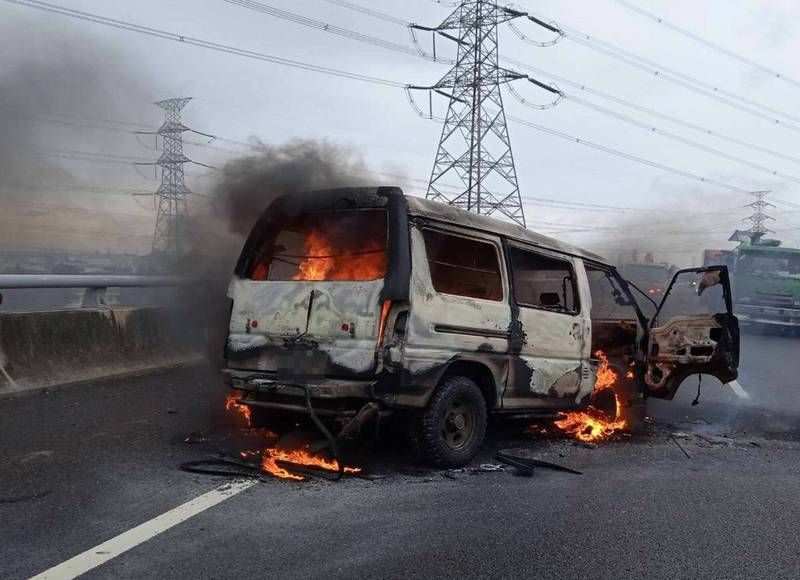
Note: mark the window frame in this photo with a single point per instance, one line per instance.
(248, 272)
(495, 242)
(512, 245)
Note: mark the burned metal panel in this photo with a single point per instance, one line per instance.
(551, 361)
(433, 210)
(287, 207)
(444, 328)
(339, 338)
(688, 345)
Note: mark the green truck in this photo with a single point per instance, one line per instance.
(766, 283)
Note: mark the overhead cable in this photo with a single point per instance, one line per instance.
(674, 76)
(123, 25)
(707, 43)
(629, 156)
(637, 107)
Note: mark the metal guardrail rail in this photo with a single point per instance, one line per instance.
(96, 286)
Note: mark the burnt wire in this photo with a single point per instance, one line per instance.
(207, 467)
(697, 398)
(321, 426)
(324, 257)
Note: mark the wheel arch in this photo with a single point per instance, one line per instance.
(479, 373)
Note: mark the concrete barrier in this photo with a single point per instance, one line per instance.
(46, 348)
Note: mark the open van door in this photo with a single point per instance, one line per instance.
(693, 331)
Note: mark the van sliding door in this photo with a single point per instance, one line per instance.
(549, 364)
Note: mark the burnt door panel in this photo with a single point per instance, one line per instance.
(694, 331)
(550, 351)
(459, 309)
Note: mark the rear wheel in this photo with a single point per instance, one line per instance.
(454, 423)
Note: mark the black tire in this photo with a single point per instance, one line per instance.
(453, 425)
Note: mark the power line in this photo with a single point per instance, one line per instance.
(369, 12)
(95, 157)
(324, 26)
(676, 77)
(344, 74)
(653, 112)
(679, 139)
(123, 25)
(74, 188)
(582, 206)
(627, 119)
(629, 156)
(74, 209)
(700, 40)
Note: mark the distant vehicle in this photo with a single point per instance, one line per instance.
(356, 303)
(650, 278)
(766, 285)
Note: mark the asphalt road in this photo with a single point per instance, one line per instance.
(704, 491)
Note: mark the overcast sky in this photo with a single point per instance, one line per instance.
(238, 98)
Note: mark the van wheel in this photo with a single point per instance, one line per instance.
(453, 424)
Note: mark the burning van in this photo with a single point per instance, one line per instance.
(359, 304)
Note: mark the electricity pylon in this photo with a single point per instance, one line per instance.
(758, 229)
(474, 165)
(169, 236)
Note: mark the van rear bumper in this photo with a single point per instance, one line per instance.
(260, 383)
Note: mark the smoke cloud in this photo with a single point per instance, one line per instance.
(52, 102)
(245, 186)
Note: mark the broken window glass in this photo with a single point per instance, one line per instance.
(694, 293)
(343, 245)
(543, 282)
(463, 266)
(609, 301)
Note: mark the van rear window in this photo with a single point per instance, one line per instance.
(463, 266)
(346, 245)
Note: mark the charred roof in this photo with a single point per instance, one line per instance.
(347, 197)
(433, 210)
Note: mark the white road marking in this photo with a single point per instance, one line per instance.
(738, 390)
(120, 544)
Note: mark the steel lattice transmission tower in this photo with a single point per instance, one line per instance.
(474, 152)
(172, 210)
(758, 229)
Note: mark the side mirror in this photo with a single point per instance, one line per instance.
(549, 299)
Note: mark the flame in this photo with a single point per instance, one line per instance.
(324, 262)
(259, 433)
(606, 376)
(629, 373)
(269, 462)
(232, 402)
(590, 425)
(593, 424)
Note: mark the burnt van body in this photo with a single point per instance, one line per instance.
(350, 297)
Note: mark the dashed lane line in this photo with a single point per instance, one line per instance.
(738, 390)
(120, 544)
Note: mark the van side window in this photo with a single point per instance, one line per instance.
(463, 266)
(609, 300)
(543, 282)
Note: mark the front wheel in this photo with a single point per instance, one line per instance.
(453, 424)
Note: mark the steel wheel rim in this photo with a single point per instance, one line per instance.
(458, 423)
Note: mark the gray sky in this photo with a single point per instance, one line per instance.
(237, 98)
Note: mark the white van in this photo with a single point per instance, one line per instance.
(364, 301)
